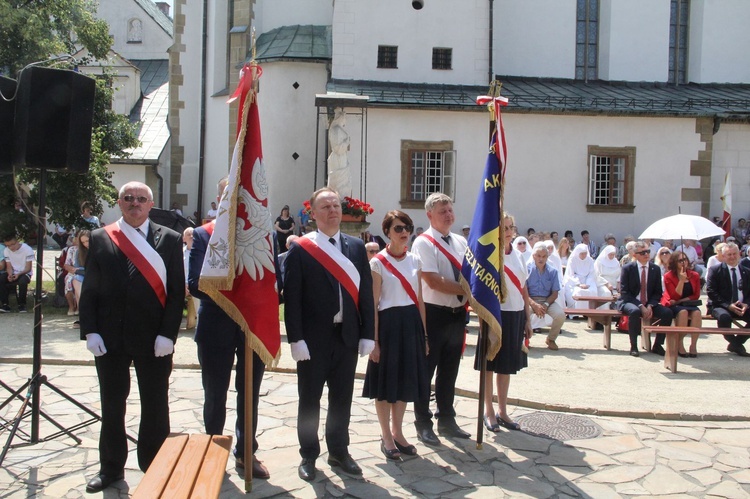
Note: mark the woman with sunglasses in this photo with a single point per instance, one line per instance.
(397, 369)
(661, 260)
(681, 285)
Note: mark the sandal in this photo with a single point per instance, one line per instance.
(392, 454)
(506, 424)
(493, 427)
(407, 450)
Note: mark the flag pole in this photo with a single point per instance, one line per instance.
(482, 353)
(249, 436)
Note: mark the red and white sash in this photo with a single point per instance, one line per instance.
(144, 257)
(393, 270)
(454, 261)
(334, 261)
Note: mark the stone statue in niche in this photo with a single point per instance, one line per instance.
(135, 30)
(339, 173)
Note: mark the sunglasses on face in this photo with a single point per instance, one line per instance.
(521, 242)
(682, 260)
(644, 252)
(129, 198)
(400, 228)
(372, 252)
(664, 253)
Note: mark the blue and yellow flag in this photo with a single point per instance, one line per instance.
(481, 271)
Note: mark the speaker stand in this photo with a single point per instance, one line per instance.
(37, 378)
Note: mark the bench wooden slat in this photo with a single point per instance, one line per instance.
(673, 337)
(181, 482)
(211, 475)
(155, 480)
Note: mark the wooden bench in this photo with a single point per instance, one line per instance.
(594, 302)
(673, 337)
(602, 316)
(187, 466)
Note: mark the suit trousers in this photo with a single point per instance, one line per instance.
(332, 363)
(724, 319)
(113, 370)
(216, 370)
(445, 337)
(633, 311)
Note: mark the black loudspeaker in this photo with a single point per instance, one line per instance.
(7, 112)
(54, 115)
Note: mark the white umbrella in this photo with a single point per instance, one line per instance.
(682, 227)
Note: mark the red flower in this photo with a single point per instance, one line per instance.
(350, 206)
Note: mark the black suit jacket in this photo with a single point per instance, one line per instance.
(719, 285)
(311, 298)
(123, 308)
(630, 285)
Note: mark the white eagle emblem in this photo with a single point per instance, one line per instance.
(254, 251)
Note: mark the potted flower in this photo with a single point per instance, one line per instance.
(352, 209)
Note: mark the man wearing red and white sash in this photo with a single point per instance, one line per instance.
(130, 309)
(329, 316)
(442, 253)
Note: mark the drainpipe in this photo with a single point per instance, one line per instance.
(491, 26)
(202, 146)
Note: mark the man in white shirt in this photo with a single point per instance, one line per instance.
(212, 212)
(19, 261)
(442, 253)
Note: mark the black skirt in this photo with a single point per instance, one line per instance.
(401, 374)
(510, 359)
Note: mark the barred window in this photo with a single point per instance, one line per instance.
(611, 174)
(678, 41)
(426, 167)
(442, 58)
(587, 39)
(387, 56)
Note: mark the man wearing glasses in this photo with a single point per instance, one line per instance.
(640, 292)
(130, 309)
(442, 253)
(372, 249)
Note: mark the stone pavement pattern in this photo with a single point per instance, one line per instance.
(630, 458)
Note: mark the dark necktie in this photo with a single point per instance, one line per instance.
(131, 267)
(338, 286)
(735, 293)
(456, 272)
(643, 285)
(332, 241)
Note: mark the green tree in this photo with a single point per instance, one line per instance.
(32, 31)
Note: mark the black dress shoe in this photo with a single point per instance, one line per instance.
(306, 470)
(740, 350)
(406, 450)
(102, 481)
(634, 352)
(346, 463)
(451, 429)
(427, 436)
(658, 350)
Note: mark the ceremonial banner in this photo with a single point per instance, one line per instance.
(726, 201)
(238, 271)
(482, 276)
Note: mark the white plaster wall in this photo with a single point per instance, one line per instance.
(719, 41)
(359, 27)
(547, 166)
(189, 94)
(287, 121)
(535, 38)
(271, 14)
(634, 40)
(731, 151)
(155, 40)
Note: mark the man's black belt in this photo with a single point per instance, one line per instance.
(453, 310)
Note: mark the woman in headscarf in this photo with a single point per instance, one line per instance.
(521, 244)
(580, 277)
(607, 272)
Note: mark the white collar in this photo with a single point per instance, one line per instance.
(336, 237)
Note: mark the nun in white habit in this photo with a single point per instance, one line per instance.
(521, 244)
(580, 277)
(608, 272)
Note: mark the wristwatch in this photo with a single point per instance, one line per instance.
(545, 304)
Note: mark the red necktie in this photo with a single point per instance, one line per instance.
(643, 285)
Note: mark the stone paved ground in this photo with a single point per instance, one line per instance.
(631, 457)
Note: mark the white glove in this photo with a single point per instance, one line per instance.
(300, 351)
(95, 344)
(366, 347)
(163, 346)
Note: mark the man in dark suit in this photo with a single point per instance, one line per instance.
(329, 315)
(728, 289)
(130, 310)
(220, 339)
(639, 300)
